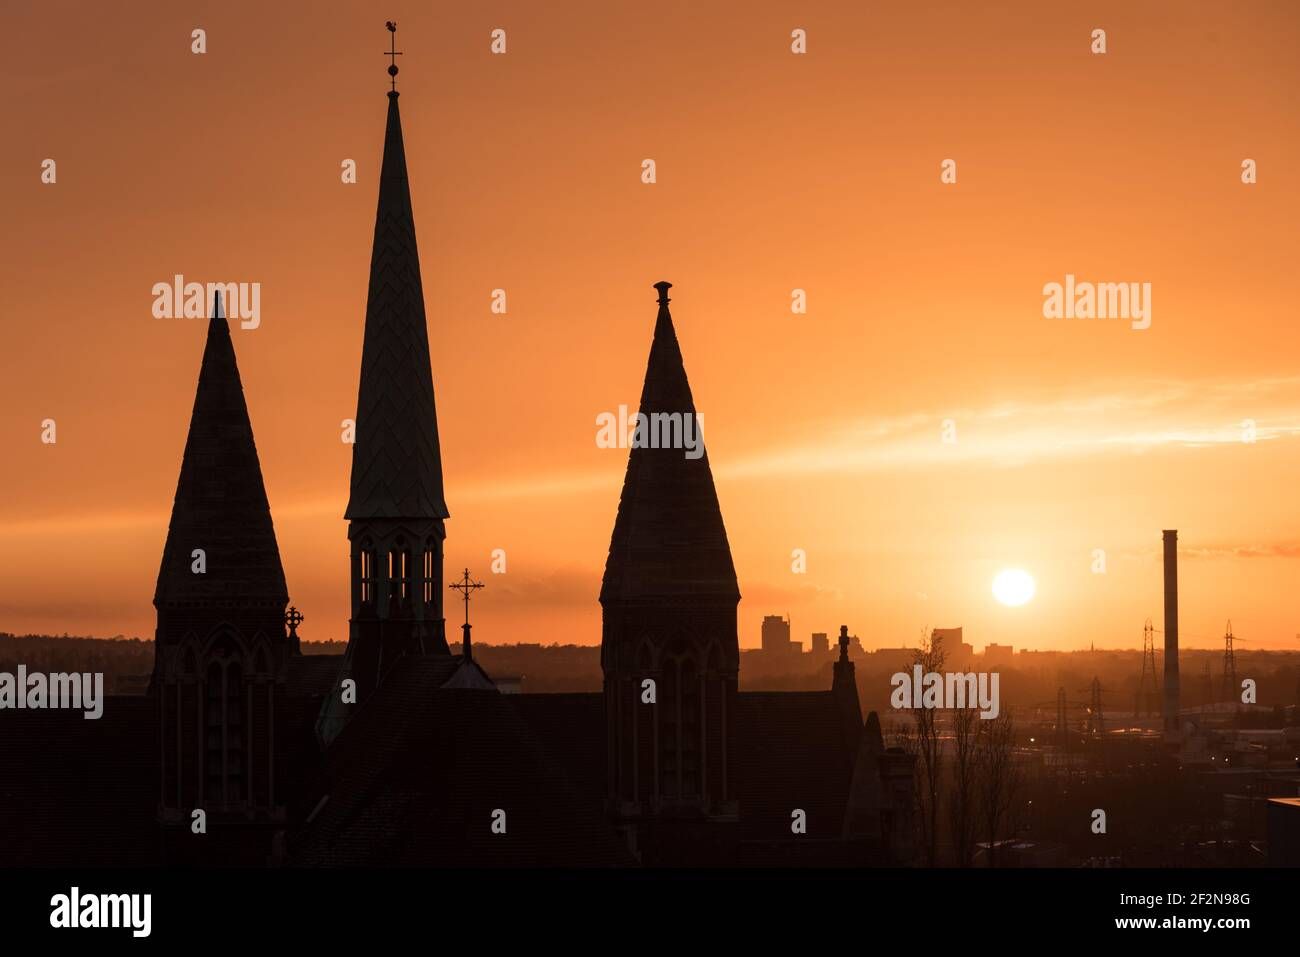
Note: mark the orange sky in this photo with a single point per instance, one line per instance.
(775, 172)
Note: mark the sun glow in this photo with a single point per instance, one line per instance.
(1013, 586)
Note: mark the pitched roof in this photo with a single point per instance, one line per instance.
(312, 676)
(791, 754)
(220, 504)
(416, 775)
(571, 729)
(668, 538)
(396, 463)
(78, 793)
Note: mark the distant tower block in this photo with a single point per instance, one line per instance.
(776, 635)
(1172, 723)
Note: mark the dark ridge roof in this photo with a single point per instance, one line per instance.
(668, 538)
(78, 793)
(220, 503)
(396, 463)
(791, 753)
(312, 675)
(414, 779)
(571, 729)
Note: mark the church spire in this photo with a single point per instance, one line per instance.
(668, 613)
(669, 536)
(220, 508)
(396, 511)
(220, 647)
(396, 461)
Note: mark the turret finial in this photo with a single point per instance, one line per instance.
(393, 53)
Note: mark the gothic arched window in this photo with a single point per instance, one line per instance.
(689, 728)
(669, 688)
(399, 572)
(427, 575)
(679, 741)
(366, 575)
(224, 733)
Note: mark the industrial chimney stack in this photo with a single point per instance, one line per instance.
(1171, 631)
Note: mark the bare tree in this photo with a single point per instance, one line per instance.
(902, 737)
(930, 659)
(998, 775)
(963, 807)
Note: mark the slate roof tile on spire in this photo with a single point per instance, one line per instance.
(669, 538)
(396, 461)
(220, 504)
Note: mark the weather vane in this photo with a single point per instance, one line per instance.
(393, 53)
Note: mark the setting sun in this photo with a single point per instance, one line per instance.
(1013, 586)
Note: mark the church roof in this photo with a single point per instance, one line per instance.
(668, 538)
(396, 462)
(78, 793)
(418, 774)
(791, 753)
(220, 504)
(571, 728)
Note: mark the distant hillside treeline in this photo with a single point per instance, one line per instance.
(119, 658)
(1033, 680)
(126, 661)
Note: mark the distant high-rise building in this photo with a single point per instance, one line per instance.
(998, 656)
(821, 643)
(776, 636)
(956, 652)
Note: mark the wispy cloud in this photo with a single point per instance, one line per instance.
(1279, 550)
(1138, 418)
(1125, 418)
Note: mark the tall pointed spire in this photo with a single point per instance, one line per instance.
(220, 507)
(396, 511)
(396, 461)
(669, 537)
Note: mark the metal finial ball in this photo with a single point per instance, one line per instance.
(392, 71)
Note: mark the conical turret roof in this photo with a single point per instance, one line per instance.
(669, 538)
(220, 506)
